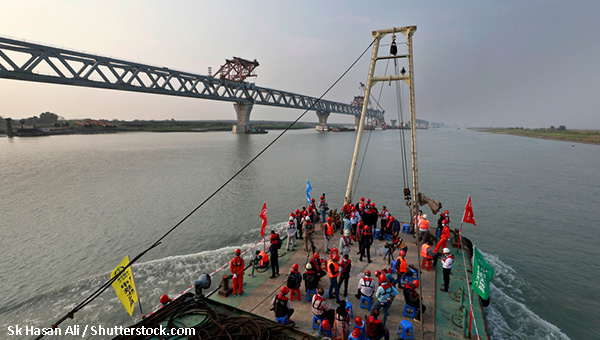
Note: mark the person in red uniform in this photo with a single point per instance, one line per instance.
(236, 267)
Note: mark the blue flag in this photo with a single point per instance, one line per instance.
(308, 189)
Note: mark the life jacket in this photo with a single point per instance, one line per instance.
(336, 269)
(237, 265)
(383, 214)
(374, 327)
(316, 264)
(328, 229)
(401, 265)
(345, 265)
(318, 302)
(264, 258)
(424, 224)
(346, 242)
(312, 279)
(367, 281)
(424, 252)
(367, 232)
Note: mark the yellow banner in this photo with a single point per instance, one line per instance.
(124, 286)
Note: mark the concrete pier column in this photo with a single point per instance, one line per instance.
(379, 122)
(9, 129)
(356, 122)
(243, 117)
(322, 115)
(394, 123)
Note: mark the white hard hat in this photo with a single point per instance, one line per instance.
(346, 232)
(425, 216)
(291, 218)
(446, 250)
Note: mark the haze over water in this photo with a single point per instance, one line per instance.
(74, 206)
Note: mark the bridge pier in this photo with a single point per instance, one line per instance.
(379, 122)
(322, 115)
(242, 111)
(356, 122)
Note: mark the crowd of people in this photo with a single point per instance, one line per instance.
(358, 225)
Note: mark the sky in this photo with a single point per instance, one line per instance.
(478, 63)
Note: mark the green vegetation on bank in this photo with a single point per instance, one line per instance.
(560, 133)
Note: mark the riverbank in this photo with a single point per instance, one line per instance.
(579, 136)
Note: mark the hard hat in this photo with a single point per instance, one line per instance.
(391, 218)
(402, 252)
(368, 200)
(368, 273)
(316, 255)
(416, 283)
(297, 211)
(321, 197)
(308, 266)
(291, 218)
(346, 232)
(425, 216)
(360, 223)
(238, 251)
(446, 251)
(382, 278)
(312, 199)
(336, 257)
(373, 205)
(446, 212)
(295, 266)
(356, 333)
(367, 227)
(285, 290)
(358, 321)
(307, 218)
(377, 272)
(362, 198)
(329, 219)
(164, 299)
(325, 324)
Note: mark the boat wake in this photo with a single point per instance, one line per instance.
(507, 315)
(170, 275)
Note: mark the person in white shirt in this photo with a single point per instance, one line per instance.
(447, 262)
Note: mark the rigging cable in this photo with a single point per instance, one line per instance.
(103, 287)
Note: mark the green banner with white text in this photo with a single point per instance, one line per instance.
(482, 275)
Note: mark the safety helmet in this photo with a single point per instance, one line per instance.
(346, 232)
(308, 266)
(446, 251)
(402, 253)
(316, 255)
(336, 257)
(312, 199)
(285, 290)
(362, 198)
(382, 278)
(329, 219)
(325, 324)
(368, 273)
(295, 266)
(238, 251)
(297, 211)
(356, 333)
(368, 200)
(164, 298)
(425, 216)
(416, 283)
(321, 197)
(367, 227)
(358, 321)
(372, 205)
(391, 218)
(446, 212)
(291, 218)
(307, 218)
(377, 272)
(360, 223)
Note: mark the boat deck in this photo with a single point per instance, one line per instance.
(260, 290)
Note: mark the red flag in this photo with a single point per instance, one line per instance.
(263, 215)
(468, 217)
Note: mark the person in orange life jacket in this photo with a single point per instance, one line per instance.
(375, 328)
(274, 251)
(359, 231)
(328, 232)
(236, 267)
(323, 206)
(384, 216)
(341, 324)
(444, 237)
(426, 251)
(308, 234)
(402, 267)
(366, 240)
(345, 243)
(447, 262)
(384, 296)
(294, 279)
(311, 278)
(423, 227)
(366, 286)
(333, 270)
(298, 220)
(345, 274)
(412, 298)
(281, 304)
(321, 308)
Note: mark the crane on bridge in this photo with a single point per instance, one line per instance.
(237, 69)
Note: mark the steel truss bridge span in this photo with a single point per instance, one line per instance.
(40, 63)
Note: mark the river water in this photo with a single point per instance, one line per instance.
(74, 206)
